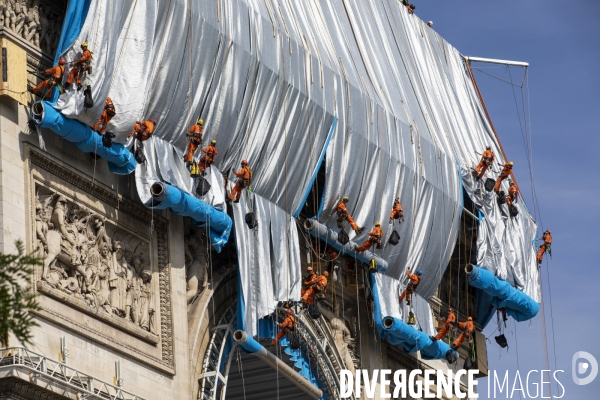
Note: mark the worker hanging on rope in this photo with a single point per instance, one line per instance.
(194, 137)
(449, 323)
(512, 194)
(55, 77)
(244, 180)
(409, 7)
(142, 131)
(505, 173)
(343, 215)
(107, 114)
(545, 247)
(318, 288)
(308, 280)
(84, 64)
(411, 287)
(467, 330)
(288, 325)
(374, 238)
(210, 152)
(487, 159)
(396, 212)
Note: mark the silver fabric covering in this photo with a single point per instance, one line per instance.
(268, 273)
(268, 77)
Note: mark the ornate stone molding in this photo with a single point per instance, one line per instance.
(44, 170)
(19, 389)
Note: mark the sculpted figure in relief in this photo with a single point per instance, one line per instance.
(341, 335)
(195, 262)
(82, 260)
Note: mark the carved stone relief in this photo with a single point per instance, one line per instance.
(87, 257)
(105, 256)
(344, 338)
(36, 21)
(196, 262)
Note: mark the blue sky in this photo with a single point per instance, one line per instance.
(561, 41)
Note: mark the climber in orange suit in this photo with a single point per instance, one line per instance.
(448, 322)
(44, 89)
(107, 114)
(143, 130)
(319, 287)
(374, 238)
(308, 280)
(512, 194)
(244, 179)
(487, 159)
(412, 285)
(546, 246)
(288, 325)
(468, 329)
(210, 152)
(505, 173)
(344, 215)
(194, 140)
(396, 212)
(80, 66)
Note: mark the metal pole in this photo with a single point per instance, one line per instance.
(252, 346)
(495, 61)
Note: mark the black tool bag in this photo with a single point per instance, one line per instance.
(513, 211)
(394, 238)
(313, 311)
(251, 220)
(501, 340)
(107, 139)
(203, 187)
(139, 155)
(450, 357)
(489, 184)
(501, 197)
(88, 102)
(343, 237)
(468, 362)
(294, 338)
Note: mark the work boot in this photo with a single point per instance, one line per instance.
(359, 229)
(79, 87)
(408, 302)
(236, 201)
(453, 347)
(433, 338)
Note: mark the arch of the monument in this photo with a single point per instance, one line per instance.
(227, 372)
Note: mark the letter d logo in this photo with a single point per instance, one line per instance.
(582, 368)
